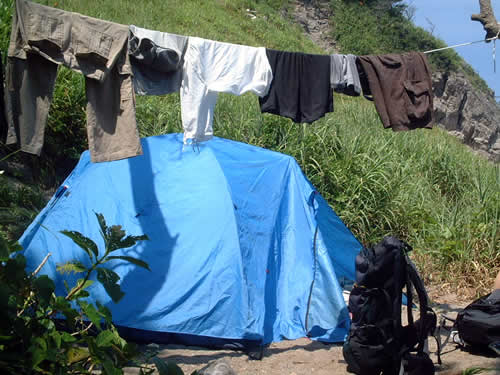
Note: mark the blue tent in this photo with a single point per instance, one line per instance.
(242, 248)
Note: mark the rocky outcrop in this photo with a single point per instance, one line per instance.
(470, 114)
(314, 17)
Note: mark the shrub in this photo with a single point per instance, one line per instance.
(41, 333)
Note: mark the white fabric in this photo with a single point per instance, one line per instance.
(148, 81)
(164, 40)
(211, 67)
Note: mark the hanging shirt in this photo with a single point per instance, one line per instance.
(301, 86)
(211, 67)
(401, 86)
(344, 77)
(156, 60)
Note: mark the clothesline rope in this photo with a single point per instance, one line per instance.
(462, 44)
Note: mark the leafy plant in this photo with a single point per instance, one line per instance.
(43, 333)
(19, 205)
(6, 7)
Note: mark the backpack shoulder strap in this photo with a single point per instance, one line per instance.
(428, 319)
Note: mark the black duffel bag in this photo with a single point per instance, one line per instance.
(478, 324)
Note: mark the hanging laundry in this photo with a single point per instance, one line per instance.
(301, 86)
(401, 87)
(211, 67)
(157, 60)
(43, 38)
(344, 77)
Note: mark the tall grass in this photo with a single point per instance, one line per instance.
(423, 186)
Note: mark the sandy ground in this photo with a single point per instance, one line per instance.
(306, 357)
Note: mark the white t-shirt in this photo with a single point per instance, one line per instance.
(211, 67)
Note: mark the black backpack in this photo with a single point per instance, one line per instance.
(478, 324)
(377, 341)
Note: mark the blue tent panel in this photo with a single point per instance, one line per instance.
(241, 246)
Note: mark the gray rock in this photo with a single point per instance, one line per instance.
(314, 17)
(219, 367)
(469, 114)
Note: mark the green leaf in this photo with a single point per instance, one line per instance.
(135, 261)
(109, 368)
(56, 336)
(94, 350)
(47, 323)
(108, 279)
(104, 311)
(115, 236)
(131, 350)
(102, 225)
(4, 249)
(61, 304)
(14, 269)
(76, 354)
(15, 247)
(66, 337)
(86, 284)
(40, 342)
(44, 287)
(76, 267)
(105, 338)
(118, 339)
(38, 356)
(167, 368)
(117, 240)
(90, 311)
(105, 275)
(81, 293)
(85, 243)
(66, 285)
(71, 316)
(38, 349)
(10, 246)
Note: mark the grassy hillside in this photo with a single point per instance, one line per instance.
(423, 186)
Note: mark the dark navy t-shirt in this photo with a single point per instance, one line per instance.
(300, 89)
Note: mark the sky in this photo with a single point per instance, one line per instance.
(450, 21)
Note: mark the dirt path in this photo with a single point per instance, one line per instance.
(306, 357)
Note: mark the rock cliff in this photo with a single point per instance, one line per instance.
(470, 114)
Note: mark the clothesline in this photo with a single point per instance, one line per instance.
(124, 60)
(462, 44)
(469, 43)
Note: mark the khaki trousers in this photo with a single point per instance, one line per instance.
(43, 38)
